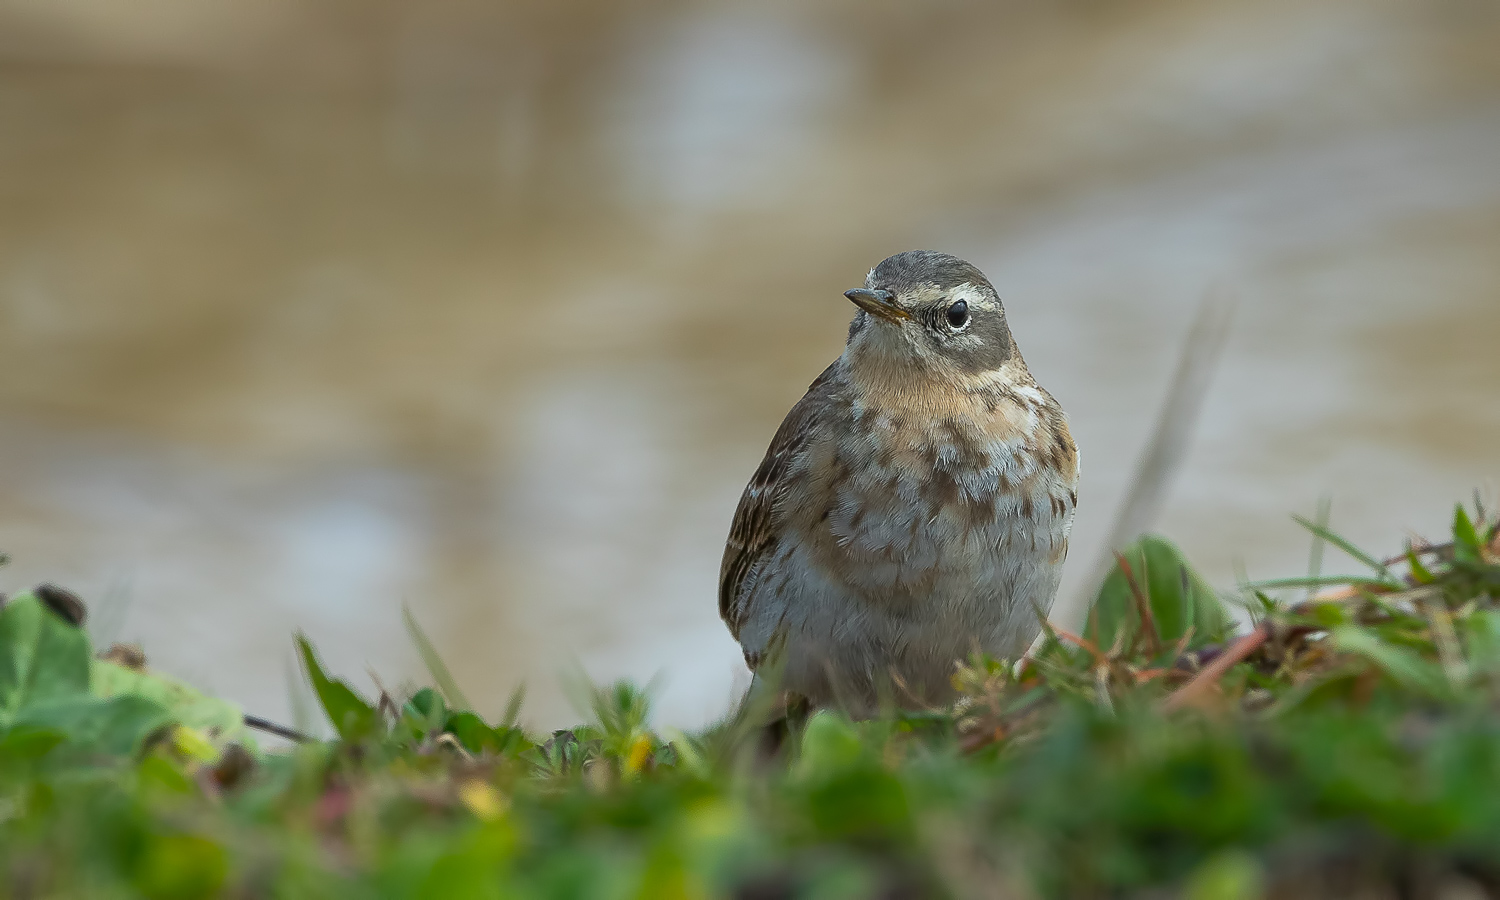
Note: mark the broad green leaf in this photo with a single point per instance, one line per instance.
(43, 659)
(1177, 596)
(350, 715)
(221, 720)
(475, 735)
(116, 726)
(423, 714)
(428, 704)
(21, 745)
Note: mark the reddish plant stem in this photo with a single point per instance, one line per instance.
(1193, 693)
(1142, 605)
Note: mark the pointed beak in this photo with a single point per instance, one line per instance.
(878, 303)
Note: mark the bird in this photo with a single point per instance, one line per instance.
(913, 508)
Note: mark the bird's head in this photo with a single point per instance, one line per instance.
(930, 310)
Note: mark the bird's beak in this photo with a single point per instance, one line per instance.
(878, 303)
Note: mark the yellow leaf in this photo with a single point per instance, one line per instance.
(482, 800)
(193, 744)
(640, 751)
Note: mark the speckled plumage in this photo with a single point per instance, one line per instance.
(914, 506)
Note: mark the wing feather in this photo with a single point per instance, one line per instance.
(755, 531)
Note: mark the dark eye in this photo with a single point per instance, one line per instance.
(958, 314)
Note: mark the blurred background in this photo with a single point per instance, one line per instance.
(309, 310)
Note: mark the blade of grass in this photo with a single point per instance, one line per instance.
(513, 706)
(1277, 584)
(435, 665)
(1345, 545)
(1465, 537)
(354, 718)
(303, 703)
(1315, 553)
(1403, 665)
(1420, 573)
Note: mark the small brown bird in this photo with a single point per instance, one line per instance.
(914, 506)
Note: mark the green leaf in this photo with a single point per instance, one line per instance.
(43, 659)
(1482, 631)
(620, 712)
(1178, 597)
(434, 662)
(830, 743)
(117, 726)
(513, 706)
(1315, 552)
(220, 719)
(1419, 573)
(21, 745)
(427, 704)
(1403, 666)
(350, 715)
(1345, 545)
(1465, 539)
(472, 732)
(478, 737)
(1326, 615)
(422, 715)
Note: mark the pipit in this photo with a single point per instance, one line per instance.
(914, 506)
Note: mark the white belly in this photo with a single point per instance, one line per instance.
(915, 583)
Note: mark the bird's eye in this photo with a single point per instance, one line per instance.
(958, 314)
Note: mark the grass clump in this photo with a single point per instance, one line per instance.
(1345, 744)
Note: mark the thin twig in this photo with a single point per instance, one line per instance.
(1192, 693)
(1083, 643)
(270, 727)
(1142, 606)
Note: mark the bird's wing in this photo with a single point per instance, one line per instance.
(755, 531)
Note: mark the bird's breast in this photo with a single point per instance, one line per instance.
(900, 504)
